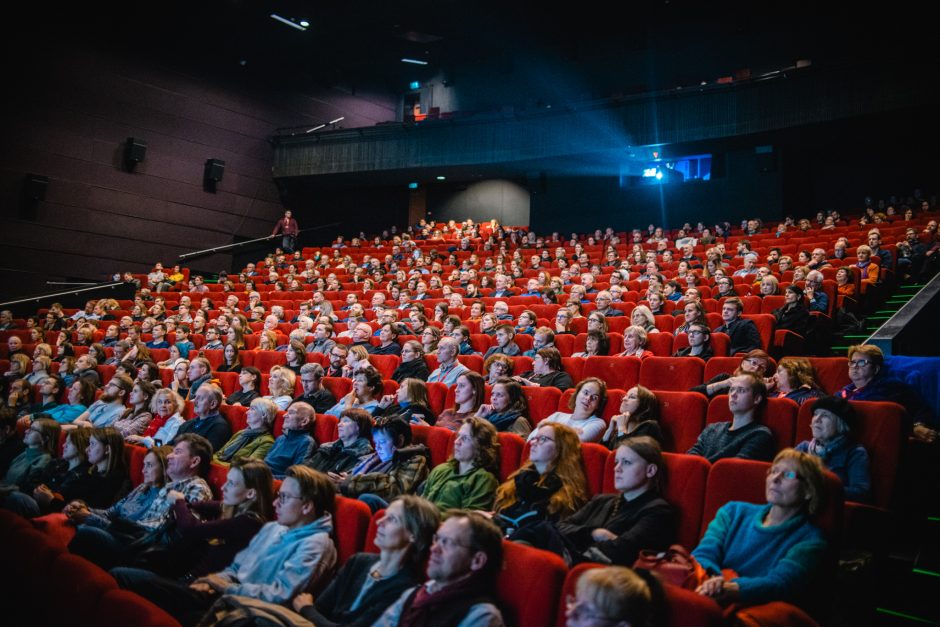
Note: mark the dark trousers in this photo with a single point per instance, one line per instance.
(179, 600)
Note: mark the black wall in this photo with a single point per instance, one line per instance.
(505, 200)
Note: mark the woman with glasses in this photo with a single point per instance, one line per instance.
(412, 364)
(563, 322)
(548, 486)
(497, 367)
(700, 345)
(639, 415)
(872, 382)
(773, 549)
(587, 405)
(833, 422)
(430, 338)
(468, 479)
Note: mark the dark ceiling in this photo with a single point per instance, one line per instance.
(362, 42)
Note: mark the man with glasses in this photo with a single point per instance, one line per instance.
(337, 360)
(315, 395)
(871, 382)
(699, 342)
(818, 299)
(725, 287)
(466, 557)
(284, 558)
(212, 340)
(744, 437)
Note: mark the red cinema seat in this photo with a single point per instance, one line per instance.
(352, 521)
(385, 364)
(473, 362)
(529, 585)
(660, 343)
(439, 440)
(765, 324)
(228, 381)
(216, 478)
(338, 386)
(671, 373)
(543, 402)
(521, 364)
(437, 393)
(682, 418)
(265, 359)
(325, 429)
(122, 607)
(778, 415)
(236, 416)
(617, 372)
(76, 584)
(574, 366)
(832, 373)
(565, 344)
(595, 458)
(880, 430)
(510, 454)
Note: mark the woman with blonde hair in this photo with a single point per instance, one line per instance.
(281, 383)
(642, 316)
(550, 485)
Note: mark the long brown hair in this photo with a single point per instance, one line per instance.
(569, 468)
(257, 476)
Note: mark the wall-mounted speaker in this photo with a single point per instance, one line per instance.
(134, 152)
(215, 169)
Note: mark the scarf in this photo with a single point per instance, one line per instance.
(446, 606)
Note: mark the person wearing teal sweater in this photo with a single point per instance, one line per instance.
(774, 549)
(466, 480)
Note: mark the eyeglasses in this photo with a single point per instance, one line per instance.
(786, 474)
(447, 543)
(282, 497)
(542, 439)
(859, 363)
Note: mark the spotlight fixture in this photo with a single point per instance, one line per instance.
(413, 61)
(289, 22)
(441, 178)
